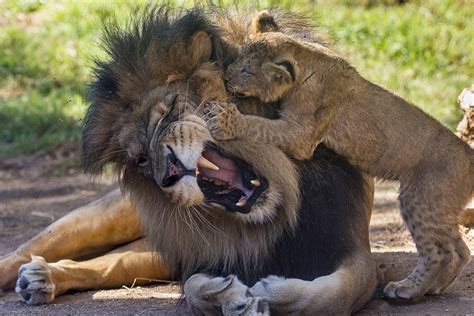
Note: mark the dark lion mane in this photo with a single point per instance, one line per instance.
(142, 55)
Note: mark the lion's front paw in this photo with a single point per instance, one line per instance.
(251, 306)
(200, 291)
(222, 120)
(272, 288)
(34, 282)
(216, 296)
(285, 295)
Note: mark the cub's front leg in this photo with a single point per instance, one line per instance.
(292, 135)
(223, 120)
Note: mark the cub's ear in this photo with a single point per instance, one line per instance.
(264, 22)
(283, 71)
(201, 47)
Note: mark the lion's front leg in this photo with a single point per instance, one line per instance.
(341, 293)
(323, 296)
(207, 295)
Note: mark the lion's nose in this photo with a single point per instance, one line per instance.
(175, 170)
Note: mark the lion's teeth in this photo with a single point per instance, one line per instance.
(219, 182)
(242, 201)
(204, 163)
(256, 183)
(197, 172)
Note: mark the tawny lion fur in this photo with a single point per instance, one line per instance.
(324, 100)
(147, 99)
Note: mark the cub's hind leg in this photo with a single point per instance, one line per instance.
(460, 259)
(431, 217)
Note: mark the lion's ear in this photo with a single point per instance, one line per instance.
(282, 71)
(201, 47)
(264, 22)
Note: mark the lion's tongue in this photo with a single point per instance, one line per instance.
(221, 162)
(227, 172)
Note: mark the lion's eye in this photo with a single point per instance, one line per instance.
(142, 161)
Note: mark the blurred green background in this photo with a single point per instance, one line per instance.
(422, 50)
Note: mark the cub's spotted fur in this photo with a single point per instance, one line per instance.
(324, 100)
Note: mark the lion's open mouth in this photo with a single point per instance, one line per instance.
(227, 180)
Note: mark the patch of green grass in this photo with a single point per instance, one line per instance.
(46, 56)
(421, 50)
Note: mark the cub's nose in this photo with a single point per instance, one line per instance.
(175, 170)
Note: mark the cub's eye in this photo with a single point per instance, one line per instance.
(142, 161)
(245, 71)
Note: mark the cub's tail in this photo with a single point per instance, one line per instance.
(471, 173)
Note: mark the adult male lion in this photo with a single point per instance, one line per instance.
(221, 208)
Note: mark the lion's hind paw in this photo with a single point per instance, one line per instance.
(34, 282)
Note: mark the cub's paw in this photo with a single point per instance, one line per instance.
(216, 296)
(405, 289)
(222, 120)
(34, 282)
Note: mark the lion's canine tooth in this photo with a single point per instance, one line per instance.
(197, 172)
(256, 183)
(242, 201)
(203, 162)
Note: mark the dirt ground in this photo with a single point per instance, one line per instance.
(36, 190)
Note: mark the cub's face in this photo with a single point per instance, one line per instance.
(262, 72)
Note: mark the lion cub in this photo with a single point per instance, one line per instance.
(324, 99)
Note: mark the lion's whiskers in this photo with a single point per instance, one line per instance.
(192, 223)
(205, 221)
